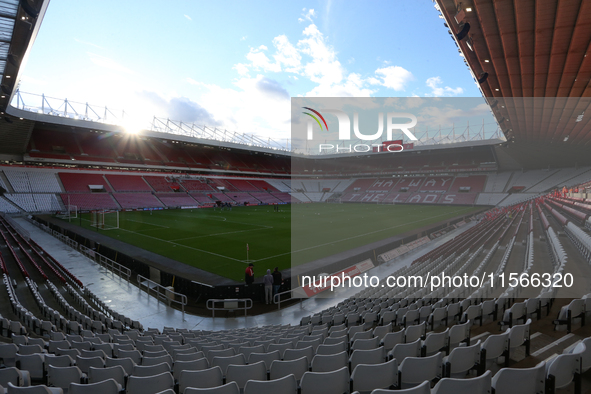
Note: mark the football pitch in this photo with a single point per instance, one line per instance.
(216, 240)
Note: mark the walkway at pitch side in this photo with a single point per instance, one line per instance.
(127, 299)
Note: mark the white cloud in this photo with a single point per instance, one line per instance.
(353, 86)
(188, 17)
(307, 15)
(108, 63)
(243, 38)
(392, 77)
(88, 43)
(258, 105)
(242, 69)
(434, 83)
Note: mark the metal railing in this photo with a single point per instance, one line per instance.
(277, 298)
(230, 304)
(162, 293)
(107, 263)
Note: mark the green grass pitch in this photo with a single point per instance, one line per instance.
(216, 240)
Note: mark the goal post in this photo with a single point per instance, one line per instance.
(71, 212)
(104, 219)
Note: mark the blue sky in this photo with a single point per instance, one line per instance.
(235, 64)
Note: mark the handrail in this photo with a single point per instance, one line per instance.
(277, 298)
(212, 301)
(115, 267)
(145, 281)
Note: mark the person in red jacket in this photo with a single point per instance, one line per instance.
(249, 274)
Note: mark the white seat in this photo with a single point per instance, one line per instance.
(296, 367)
(332, 349)
(188, 356)
(150, 384)
(195, 365)
(206, 378)
(279, 346)
(373, 356)
(412, 333)
(584, 347)
(435, 342)
(423, 388)
(292, 354)
(34, 363)
(564, 369)
(84, 363)
(437, 317)
(366, 344)
(242, 373)
(210, 354)
(518, 336)
(381, 331)
(229, 388)
(327, 363)
(494, 347)
(12, 389)
(404, 350)
(267, 358)
(62, 376)
(127, 363)
(150, 370)
(520, 380)
(335, 382)
(461, 360)
(109, 386)
(287, 385)
(366, 378)
(459, 333)
(15, 376)
(415, 370)
(224, 362)
(116, 373)
(479, 385)
(157, 360)
(247, 350)
(135, 355)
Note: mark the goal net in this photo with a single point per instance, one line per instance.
(105, 219)
(70, 213)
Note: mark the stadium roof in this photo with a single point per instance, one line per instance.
(19, 24)
(524, 54)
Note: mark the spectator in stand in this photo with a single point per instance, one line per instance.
(268, 282)
(249, 274)
(277, 281)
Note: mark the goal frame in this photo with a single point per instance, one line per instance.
(104, 219)
(70, 213)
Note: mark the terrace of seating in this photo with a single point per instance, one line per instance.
(202, 198)
(197, 185)
(413, 327)
(61, 143)
(90, 201)
(172, 200)
(437, 184)
(128, 183)
(160, 183)
(474, 182)
(79, 182)
(137, 200)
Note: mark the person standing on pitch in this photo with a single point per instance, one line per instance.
(268, 282)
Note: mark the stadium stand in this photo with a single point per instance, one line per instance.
(161, 183)
(176, 199)
(127, 183)
(137, 200)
